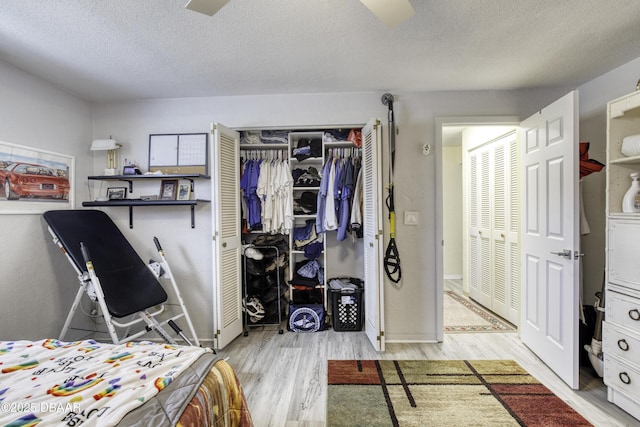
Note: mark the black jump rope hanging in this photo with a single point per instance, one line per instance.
(391, 256)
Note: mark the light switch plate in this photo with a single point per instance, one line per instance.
(410, 218)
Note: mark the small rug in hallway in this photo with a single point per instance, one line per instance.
(463, 315)
(441, 393)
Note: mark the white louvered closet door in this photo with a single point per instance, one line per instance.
(484, 199)
(473, 247)
(227, 273)
(493, 252)
(372, 234)
(513, 233)
(499, 229)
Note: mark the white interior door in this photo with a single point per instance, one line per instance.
(549, 174)
(372, 233)
(227, 272)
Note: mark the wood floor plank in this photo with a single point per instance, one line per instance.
(285, 376)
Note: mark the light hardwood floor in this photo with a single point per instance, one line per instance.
(285, 376)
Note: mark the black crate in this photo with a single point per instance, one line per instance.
(347, 309)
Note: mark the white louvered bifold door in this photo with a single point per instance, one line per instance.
(475, 268)
(372, 233)
(493, 225)
(513, 245)
(499, 230)
(227, 272)
(484, 199)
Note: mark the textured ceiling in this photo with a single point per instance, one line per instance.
(106, 50)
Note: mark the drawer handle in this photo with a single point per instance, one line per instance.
(634, 314)
(623, 344)
(624, 377)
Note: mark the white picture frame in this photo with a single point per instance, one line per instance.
(53, 172)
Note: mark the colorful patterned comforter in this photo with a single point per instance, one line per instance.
(94, 384)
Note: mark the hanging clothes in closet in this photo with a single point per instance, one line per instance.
(340, 198)
(267, 192)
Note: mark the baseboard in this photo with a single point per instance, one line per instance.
(452, 277)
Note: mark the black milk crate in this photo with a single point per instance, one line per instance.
(347, 308)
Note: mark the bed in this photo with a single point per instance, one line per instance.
(87, 383)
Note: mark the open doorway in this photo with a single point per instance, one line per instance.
(468, 287)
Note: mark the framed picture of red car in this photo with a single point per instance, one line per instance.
(33, 180)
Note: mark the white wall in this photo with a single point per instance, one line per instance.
(452, 211)
(37, 283)
(410, 306)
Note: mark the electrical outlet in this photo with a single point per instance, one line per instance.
(426, 149)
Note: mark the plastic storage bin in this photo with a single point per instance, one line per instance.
(346, 309)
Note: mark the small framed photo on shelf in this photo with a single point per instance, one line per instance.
(184, 191)
(117, 193)
(168, 189)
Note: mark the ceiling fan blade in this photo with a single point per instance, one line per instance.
(208, 7)
(391, 12)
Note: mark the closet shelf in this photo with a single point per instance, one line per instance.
(297, 251)
(307, 160)
(303, 188)
(624, 215)
(263, 146)
(339, 144)
(633, 160)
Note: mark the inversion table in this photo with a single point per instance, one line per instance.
(112, 274)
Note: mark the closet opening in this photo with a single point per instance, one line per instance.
(302, 227)
(479, 276)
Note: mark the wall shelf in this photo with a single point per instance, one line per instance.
(130, 178)
(130, 203)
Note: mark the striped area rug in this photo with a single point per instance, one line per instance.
(484, 393)
(464, 315)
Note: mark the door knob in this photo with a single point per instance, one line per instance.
(566, 253)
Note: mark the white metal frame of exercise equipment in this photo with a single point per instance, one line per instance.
(90, 284)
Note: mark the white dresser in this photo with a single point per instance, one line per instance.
(621, 329)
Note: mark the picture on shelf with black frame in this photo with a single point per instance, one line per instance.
(117, 193)
(168, 189)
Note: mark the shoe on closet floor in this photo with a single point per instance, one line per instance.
(254, 308)
(252, 252)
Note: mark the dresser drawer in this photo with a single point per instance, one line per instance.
(622, 253)
(623, 310)
(620, 342)
(621, 376)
